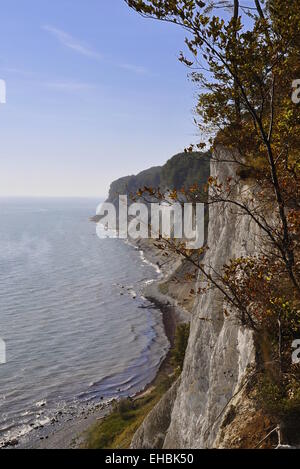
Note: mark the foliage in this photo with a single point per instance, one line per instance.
(243, 60)
(280, 399)
(180, 345)
(182, 170)
(117, 429)
(124, 407)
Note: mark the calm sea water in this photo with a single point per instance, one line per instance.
(71, 313)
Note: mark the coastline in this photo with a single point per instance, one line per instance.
(172, 313)
(71, 433)
(138, 406)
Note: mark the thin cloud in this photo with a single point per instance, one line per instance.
(81, 48)
(70, 86)
(16, 71)
(72, 43)
(134, 68)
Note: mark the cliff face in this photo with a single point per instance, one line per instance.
(130, 184)
(208, 411)
(182, 170)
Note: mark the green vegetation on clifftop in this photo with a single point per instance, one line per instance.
(182, 170)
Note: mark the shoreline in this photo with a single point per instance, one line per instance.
(172, 313)
(169, 323)
(71, 433)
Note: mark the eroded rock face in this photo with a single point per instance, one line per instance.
(219, 349)
(152, 433)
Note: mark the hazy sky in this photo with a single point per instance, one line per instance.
(94, 92)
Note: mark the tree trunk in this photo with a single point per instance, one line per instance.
(237, 101)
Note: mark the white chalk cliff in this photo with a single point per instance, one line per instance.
(219, 351)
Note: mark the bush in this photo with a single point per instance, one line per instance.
(124, 407)
(180, 345)
(281, 399)
(116, 430)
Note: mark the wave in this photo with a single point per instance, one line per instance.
(146, 261)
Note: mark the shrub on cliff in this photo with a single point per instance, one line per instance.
(180, 345)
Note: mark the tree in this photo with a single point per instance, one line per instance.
(244, 64)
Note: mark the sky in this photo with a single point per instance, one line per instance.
(93, 92)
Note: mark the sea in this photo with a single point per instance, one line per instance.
(76, 326)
